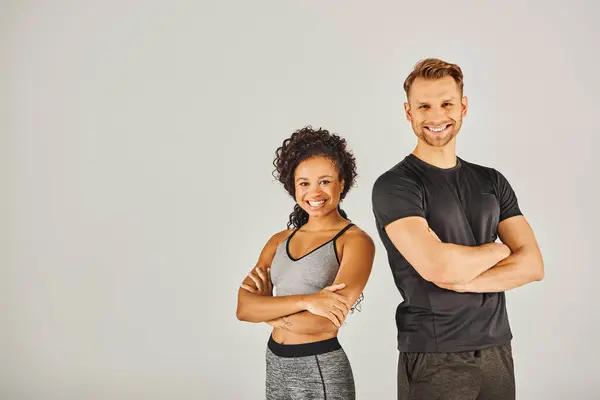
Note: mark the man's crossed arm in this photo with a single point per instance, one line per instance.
(491, 267)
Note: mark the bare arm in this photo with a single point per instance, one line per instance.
(523, 266)
(355, 269)
(261, 306)
(257, 308)
(304, 323)
(438, 262)
(254, 307)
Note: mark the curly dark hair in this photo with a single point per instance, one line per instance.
(306, 143)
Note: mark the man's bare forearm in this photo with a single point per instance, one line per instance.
(257, 308)
(518, 269)
(461, 264)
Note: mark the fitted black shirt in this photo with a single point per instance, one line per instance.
(462, 205)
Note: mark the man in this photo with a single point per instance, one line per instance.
(439, 217)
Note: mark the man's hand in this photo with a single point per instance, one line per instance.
(432, 233)
(449, 286)
(262, 280)
(460, 288)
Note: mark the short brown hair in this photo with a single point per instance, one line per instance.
(434, 68)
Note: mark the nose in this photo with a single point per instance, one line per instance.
(314, 189)
(437, 114)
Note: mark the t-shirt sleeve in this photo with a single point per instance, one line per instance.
(395, 197)
(509, 205)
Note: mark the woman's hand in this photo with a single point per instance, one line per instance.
(328, 304)
(280, 323)
(262, 280)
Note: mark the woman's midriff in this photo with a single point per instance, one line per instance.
(282, 336)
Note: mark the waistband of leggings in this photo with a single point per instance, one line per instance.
(304, 349)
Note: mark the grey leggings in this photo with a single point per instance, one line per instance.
(311, 371)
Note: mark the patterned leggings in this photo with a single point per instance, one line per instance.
(311, 371)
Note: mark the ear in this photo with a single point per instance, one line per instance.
(407, 111)
(464, 106)
(342, 185)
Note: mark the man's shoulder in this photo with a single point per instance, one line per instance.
(400, 173)
(485, 170)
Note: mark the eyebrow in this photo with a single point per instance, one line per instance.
(321, 177)
(423, 103)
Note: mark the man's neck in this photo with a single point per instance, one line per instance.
(441, 157)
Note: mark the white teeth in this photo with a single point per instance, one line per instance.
(316, 203)
(436, 129)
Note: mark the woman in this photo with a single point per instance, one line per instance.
(317, 271)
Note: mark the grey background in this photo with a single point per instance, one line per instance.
(136, 147)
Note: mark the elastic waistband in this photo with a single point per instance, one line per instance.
(305, 349)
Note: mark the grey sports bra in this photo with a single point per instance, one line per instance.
(308, 274)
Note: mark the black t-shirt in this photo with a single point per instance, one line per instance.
(462, 205)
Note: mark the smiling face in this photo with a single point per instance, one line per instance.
(435, 109)
(318, 186)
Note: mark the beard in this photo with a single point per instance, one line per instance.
(437, 140)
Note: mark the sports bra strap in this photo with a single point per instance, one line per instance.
(340, 233)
